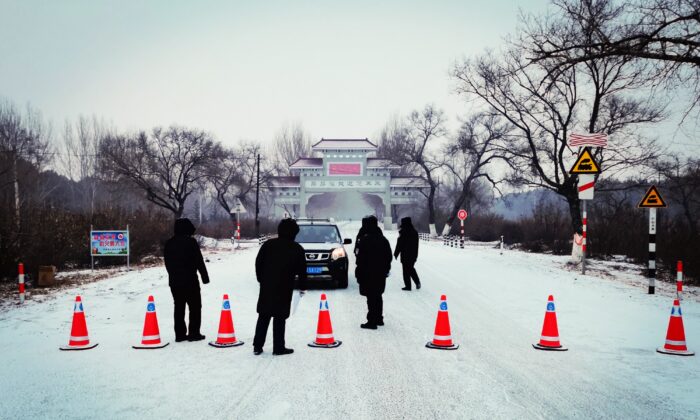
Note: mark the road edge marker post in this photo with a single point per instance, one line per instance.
(238, 209)
(679, 279)
(20, 280)
(652, 200)
(238, 230)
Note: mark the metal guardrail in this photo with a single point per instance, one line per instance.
(264, 238)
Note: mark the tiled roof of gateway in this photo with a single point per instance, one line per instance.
(307, 163)
(325, 144)
(409, 181)
(380, 163)
(284, 181)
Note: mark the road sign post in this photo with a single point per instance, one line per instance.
(584, 229)
(652, 200)
(462, 215)
(586, 168)
(651, 272)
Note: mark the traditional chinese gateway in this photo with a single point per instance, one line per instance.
(340, 165)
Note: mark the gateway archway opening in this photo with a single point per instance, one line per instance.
(339, 167)
(346, 205)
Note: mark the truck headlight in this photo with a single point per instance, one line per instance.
(338, 253)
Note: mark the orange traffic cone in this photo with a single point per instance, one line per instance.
(675, 336)
(227, 335)
(442, 339)
(151, 333)
(324, 331)
(549, 339)
(79, 339)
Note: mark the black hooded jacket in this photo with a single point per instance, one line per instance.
(183, 258)
(407, 244)
(373, 260)
(363, 229)
(278, 262)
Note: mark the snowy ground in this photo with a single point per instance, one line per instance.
(496, 304)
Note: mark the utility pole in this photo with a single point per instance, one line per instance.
(15, 176)
(257, 201)
(200, 207)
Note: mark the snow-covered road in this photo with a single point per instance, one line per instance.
(496, 304)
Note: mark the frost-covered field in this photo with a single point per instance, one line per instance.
(497, 302)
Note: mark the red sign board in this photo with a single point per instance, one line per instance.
(344, 169)
(462, 214)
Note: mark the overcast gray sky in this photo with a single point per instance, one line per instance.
(241, 69)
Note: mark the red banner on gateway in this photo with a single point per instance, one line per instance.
(344, 169)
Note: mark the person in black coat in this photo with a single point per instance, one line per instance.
(183, 259)
(360, 233)
(373, 263)
(278, 262)
(407, 247)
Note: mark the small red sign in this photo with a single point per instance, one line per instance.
(344, 169)
(462, 214)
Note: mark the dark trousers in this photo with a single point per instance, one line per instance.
(409, 272)
(278, 325)
(375, 308)
(193, 300)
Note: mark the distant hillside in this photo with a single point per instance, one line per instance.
(517, 205)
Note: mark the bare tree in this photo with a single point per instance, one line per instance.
(166, 165)
(545, 107)
(411, 144)
(682, 181)
(24, 138)
(291, 143)
(225, 176)
(663, 33)
(80, 157)
(478, 145)
(233, 175)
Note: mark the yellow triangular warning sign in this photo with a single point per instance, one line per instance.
(585, 164)
(652, 199)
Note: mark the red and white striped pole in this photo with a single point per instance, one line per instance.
(583, 245)
(20, 272)
(238, 230)
(679, 279)
(461, 227)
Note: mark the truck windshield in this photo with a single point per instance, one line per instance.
(318, 234)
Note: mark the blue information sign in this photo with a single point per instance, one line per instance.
(106, 243)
